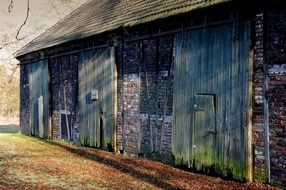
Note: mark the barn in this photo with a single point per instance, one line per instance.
(199, 84)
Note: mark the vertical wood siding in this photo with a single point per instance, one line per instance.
(211, 64)
(96, 72)
(39, 98)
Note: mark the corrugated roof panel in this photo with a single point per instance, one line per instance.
(97, 16)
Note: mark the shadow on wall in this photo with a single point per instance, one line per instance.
(9, 129)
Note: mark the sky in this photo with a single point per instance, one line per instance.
(43, 14)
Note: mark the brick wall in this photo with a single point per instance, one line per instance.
(64, 81)
(131, 130)
(24, 100)
(145, 96)
(276, 60)
(276, 95)
(258, 112)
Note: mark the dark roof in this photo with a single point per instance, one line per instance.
(97, 16)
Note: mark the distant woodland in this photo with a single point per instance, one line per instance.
(9, 92)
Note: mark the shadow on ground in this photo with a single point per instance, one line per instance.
(123, 164)
(159, 175)
(9, 129)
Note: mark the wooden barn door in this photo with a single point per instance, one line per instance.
(211, 98)
(39, 98)
(96, 93)
(204, 131)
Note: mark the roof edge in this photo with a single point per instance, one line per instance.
(18, 52)
(146, 19)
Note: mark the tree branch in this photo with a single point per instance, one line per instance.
(10, 7)
(56, 9)
(27, 16)
(12, 42)
(68, 4)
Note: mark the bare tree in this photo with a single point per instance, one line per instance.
(10, 42)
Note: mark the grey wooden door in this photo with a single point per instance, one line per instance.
(39, 98)
(204, 131)
(96, 77)
(212, 72)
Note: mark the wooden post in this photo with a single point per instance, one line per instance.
(139, 99)
(50, 105)
(31, 130)
(41, 116)
(265, 101)
(66, 115)
(122, 96)
(114, 68)
(250, 115)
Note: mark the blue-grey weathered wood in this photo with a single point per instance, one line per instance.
(204, 131)
(212, 62)
(96, 72)
(39, 98)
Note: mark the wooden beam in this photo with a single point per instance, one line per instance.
(265, 101)
(158, 34)
(250, 142)
(115, 106)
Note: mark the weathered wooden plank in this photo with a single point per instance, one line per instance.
(41, 116)
(194, 63)
(114, 99)
(249, 85)
(178, 145)
(81, 80)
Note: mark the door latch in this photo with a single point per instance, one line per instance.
(211, 132)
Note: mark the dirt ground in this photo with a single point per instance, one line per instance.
(30, 163)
